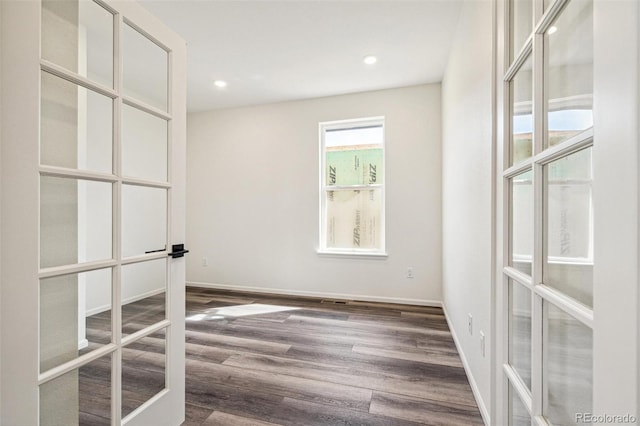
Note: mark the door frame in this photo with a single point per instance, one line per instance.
(20, 204)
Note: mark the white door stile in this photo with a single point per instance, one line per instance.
(20, 204)
(615, 163)
(116, 289)
(537, 326)
(501, 393)
(495, 223)
(178, 156)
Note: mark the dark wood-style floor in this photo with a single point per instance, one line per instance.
(321, 364)
(255, 359)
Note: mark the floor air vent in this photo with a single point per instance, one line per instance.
(335, 302)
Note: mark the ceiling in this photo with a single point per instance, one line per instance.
(272, 51)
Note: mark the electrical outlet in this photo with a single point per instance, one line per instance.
(471, 324)
(205, 261)
(482, 343)
(409, 272)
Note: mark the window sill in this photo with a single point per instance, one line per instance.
(352, 254)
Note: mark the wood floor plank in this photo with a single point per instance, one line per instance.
(85, 418)
(236, 343)
(252, 403)
(436, 315)
(397, 306)
(436, 342)
(132, 399)
(195, 415)
(293, 412)
(221, 313)
(436, 346)
(218, 418)
(207, 353)
(331, 394)
(364, 328)
(424, 355)
(322, 314)
(435, 322)
(424, 411)
(200, 298)
(324, 331)
(279, 333)
(97, 399)
(137, 378)
(356, 361)
(440, 387)
(229, 300)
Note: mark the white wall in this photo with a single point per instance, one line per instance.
(467, 189)
(252, 198)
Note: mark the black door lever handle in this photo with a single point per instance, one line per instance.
(177, 250)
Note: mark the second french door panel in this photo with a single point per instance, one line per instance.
(548, 176)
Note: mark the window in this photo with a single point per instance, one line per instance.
(352, 187)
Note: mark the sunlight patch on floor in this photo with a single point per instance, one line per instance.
(239, 311)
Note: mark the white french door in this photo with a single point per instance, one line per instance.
(567, 292)
(93, 291)
(548, 179)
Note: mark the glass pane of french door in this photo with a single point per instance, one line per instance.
(143, 370)
(59, 401)
(522, 11)
(569, 55)
(76, 128)
(521, 250)
(75, 221)
(520, 330)
(144, 219)
(145, 69)
(568, 353)
(143, 294)
(143, 136)
(569, 263)
(521, 89)
(78, 35)
(518, 413)
(63, 301)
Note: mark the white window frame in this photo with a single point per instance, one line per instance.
(323, 127)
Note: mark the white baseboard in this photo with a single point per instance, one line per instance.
(83, 344)
(486, 418)
(135, 298)
(343, 296)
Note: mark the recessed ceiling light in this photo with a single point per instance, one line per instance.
(220, 84)
(552, 30)
(370, 60)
